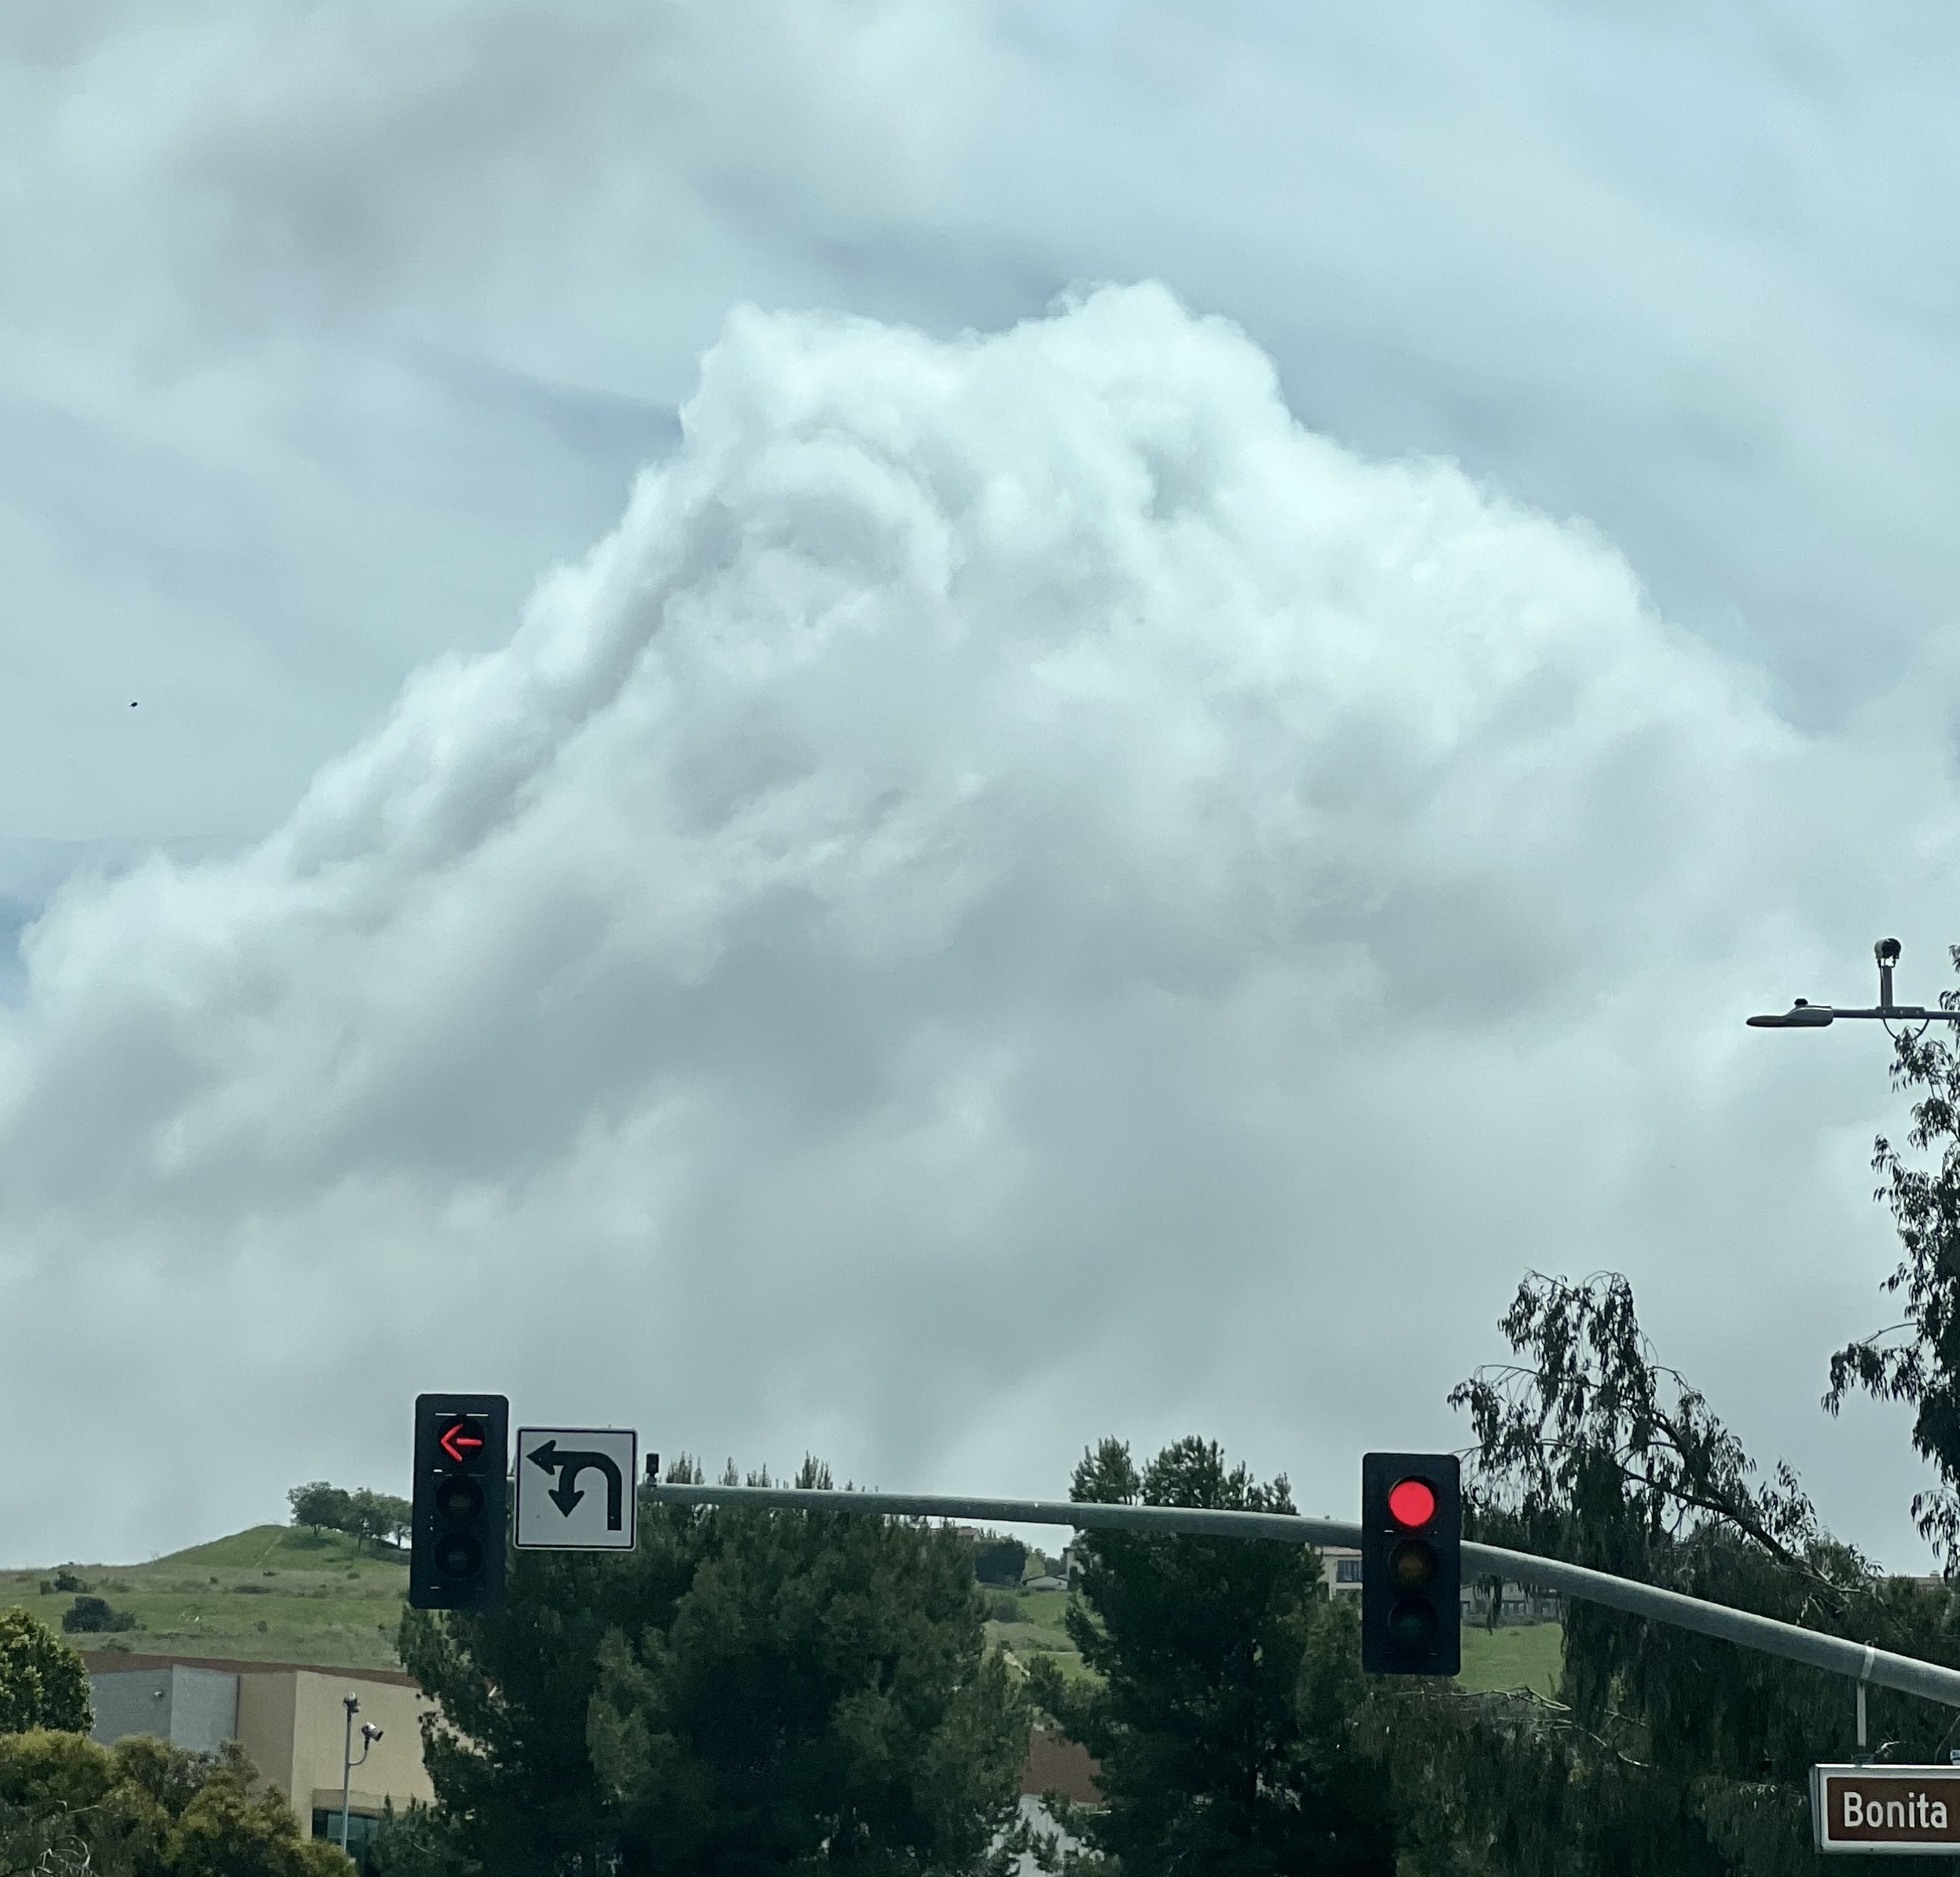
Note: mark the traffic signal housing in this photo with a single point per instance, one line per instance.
(1412, 1567)
(459, 1515)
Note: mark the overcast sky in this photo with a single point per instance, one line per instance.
(921, 729)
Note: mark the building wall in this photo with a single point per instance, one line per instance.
(394, 1770)
(289, 1721)
(266, 1710)
(1340, 1582)
(194, 1708)
(204, 1709)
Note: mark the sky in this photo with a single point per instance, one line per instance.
(922, 729)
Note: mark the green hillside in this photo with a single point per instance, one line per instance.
(278, 1594)
(271, 1594)
(1529, 1656)
(1532, 1655)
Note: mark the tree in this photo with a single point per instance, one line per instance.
(43, 1682)
(1665, 1751)
(93, 1615)
(324, 1508)
(1917, 1360)
(999, 1560)
(372, 1517)
(1227, 1684)
(145, 1809)
(747, 1690)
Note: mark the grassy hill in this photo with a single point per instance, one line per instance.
(270, 1594)
(276, 1594)
(1527, 1656)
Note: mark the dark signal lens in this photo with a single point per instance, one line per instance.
(459, 1497)
(458, 1556)
(1412, 1622)
(1412, 1504)
(1412, 1565)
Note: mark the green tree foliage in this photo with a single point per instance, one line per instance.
(1227, 1685)
(43, 1682)
(365, 1516)
(375, 1518)
(94, 1615)
(999, 1560)
(324, 1508)
(1665, 1751)
(145, 1809)
(1917, 1360)
(746, 1691)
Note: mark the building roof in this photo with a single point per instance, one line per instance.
(109, 1661)
(1057, 1763)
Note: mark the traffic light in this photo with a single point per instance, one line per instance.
(456, 1556)
(1411, 1526)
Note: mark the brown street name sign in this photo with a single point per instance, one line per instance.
(1908, 1810)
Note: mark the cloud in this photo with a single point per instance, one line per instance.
(1022, 894)
(1019, 892)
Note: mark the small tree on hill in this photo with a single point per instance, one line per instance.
(94, 1615)
(43, 1683)
(324, 1508)
(373, 1517)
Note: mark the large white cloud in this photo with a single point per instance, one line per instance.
(1020, 893)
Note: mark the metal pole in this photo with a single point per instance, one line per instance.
(1834, 1655)
(353, 1705)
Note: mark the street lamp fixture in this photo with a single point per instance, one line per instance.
(369, 1734)
(1804, 1014)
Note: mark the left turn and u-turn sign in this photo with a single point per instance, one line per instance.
(575, 1489)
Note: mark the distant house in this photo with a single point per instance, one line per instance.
(1055, 1764)
(1341, 1571)
(289, 1719)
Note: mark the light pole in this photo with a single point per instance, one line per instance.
(369, 1734)
(1803, 1015)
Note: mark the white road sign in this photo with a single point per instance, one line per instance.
(576, 1489)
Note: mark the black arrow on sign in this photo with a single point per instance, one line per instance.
(568, 1465)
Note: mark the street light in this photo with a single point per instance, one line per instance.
(1804, 1014)
(369, 1734)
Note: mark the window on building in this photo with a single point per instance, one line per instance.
(1347, 1571)
(362, 1828)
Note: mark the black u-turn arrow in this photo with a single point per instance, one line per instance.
(568, 1465)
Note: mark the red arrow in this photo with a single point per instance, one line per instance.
(459, 1435)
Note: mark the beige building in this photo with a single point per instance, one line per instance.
(290, 1720)
(1341, 1571)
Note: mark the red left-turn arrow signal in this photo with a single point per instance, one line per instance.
(460, 1438)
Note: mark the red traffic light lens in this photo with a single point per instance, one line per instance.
(462, 1440)
(1412, 1504)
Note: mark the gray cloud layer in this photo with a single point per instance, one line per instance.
(1020, 892)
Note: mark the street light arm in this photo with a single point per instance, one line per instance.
(1816, 1016)
(1804, 1014)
